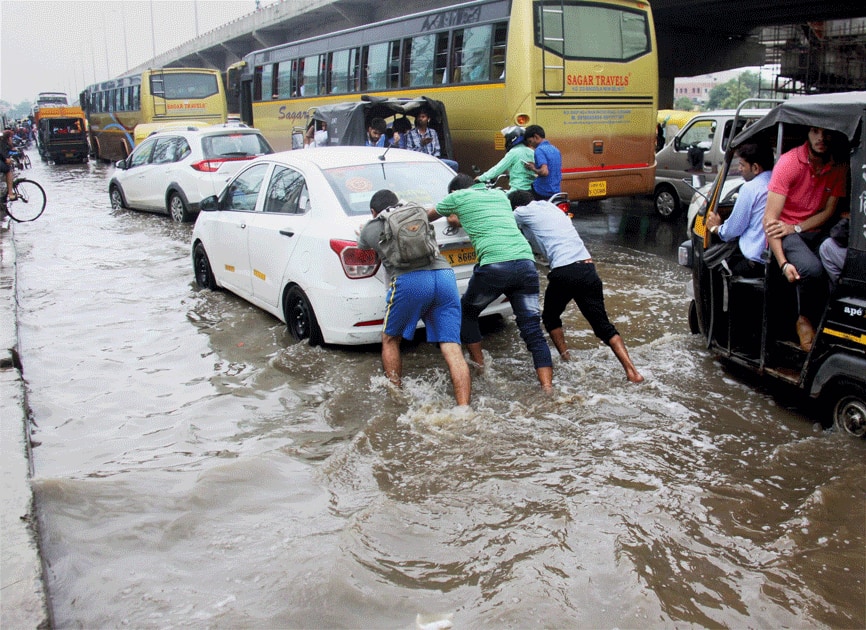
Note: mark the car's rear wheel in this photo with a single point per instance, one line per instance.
(177, 209)
(116, 198)
(201, 267)
(300, 318)
(667, 202)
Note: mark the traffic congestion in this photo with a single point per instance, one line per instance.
(392, 365)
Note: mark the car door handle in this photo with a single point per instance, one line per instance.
(288, 233)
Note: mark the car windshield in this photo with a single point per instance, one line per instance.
(235, 145)
(425, 184)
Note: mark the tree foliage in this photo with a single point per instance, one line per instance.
(684, 103)
(14, 112)
(730, 94)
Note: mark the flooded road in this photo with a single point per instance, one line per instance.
(195, 468)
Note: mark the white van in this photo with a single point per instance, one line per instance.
(698, 149)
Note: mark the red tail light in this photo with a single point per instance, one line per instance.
(357, 263)
(213, 165)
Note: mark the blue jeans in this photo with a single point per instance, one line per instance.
(518, 281)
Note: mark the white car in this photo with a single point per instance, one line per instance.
(283, 236)
(174, 169)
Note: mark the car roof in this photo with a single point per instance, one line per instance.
(340, 157)
(208, 130)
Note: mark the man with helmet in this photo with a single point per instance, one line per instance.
(516, 153)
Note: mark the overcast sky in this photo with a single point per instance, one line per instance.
(59, 46)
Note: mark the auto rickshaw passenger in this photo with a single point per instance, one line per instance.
(746, 220)
(803, 192)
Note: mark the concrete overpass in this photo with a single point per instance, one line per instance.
(694, 36)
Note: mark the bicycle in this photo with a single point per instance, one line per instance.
(30, 202)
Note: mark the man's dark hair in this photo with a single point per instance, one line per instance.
(460, 182)
(382, 200)
(754, 153)
(534, 130)
(520, 198)
(378, 124)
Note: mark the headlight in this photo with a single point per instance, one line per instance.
(684, 254)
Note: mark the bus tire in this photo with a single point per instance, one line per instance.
(846, 405)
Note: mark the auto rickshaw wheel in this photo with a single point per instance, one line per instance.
(848, 410)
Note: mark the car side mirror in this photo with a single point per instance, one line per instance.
(121, 164)
(209, 203)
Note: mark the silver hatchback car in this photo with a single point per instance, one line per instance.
(172, 170)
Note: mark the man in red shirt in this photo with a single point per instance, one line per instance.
(802, 196)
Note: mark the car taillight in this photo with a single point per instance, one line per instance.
(213, 165)
(357, 263)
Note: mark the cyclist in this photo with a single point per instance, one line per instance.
(6, 163)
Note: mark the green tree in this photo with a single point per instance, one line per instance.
(730, 94)
(685, 104)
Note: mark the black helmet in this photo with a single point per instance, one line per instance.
(513, 136)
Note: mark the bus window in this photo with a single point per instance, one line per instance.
(376, 67)
(284, 79)
(296, 76)
(310, 82)
(472, 54)
(441, 69)
(594, 32)
(500, 37)
(257, 84)
(268, 91)
(338, 79)
(420, 52)
(178, 85)
(116, 98)
(355, 70)
(122, 92)
(394, 69)
(136, 97)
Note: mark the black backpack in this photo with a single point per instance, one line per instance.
(408, 239)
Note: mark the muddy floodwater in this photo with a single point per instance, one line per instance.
(196, 468)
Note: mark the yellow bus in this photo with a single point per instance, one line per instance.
(154, 98)
(585, 70)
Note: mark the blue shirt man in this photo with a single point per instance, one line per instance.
(746, 219)
(547, 165)
(376, 133)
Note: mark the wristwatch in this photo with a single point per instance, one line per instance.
(797, 229)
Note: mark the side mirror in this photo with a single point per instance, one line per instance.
(121, 164)
(209, 204)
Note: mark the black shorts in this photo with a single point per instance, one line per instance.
(4, 168)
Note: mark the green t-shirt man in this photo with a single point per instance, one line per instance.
(486, 216)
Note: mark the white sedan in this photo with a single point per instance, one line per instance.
(283, 235)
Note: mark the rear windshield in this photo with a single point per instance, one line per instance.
(180, 85)
(425, 184)
(235, 145)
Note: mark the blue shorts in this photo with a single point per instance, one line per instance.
(430, 295)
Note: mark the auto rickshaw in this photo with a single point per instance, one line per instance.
(347, 122)
(750, 322)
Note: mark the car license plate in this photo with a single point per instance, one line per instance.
(598, 189)
(461, 256)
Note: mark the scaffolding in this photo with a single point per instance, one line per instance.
(815, 57)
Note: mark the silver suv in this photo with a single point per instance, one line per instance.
(172, 170)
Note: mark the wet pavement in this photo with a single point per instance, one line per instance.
(197, 468)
